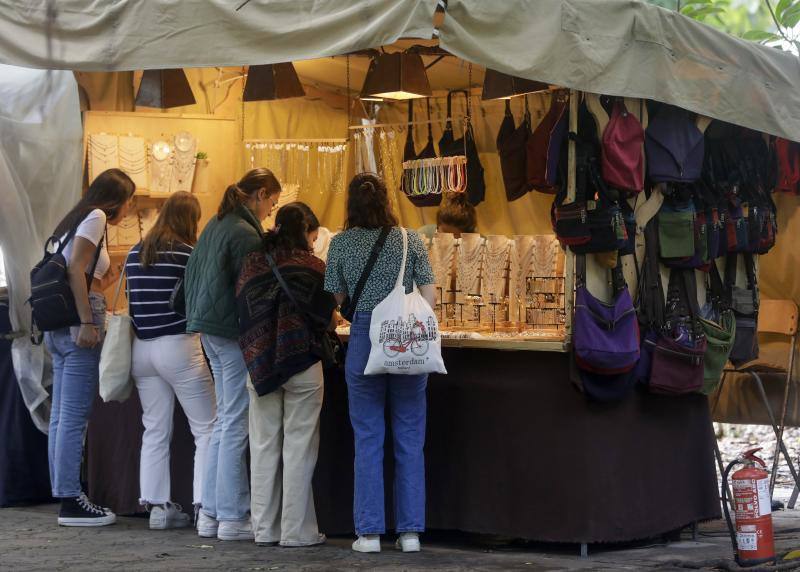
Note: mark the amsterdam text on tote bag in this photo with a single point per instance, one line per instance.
(404, 331)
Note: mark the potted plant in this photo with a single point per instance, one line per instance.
(201, 173)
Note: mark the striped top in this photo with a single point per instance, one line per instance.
(150, 289)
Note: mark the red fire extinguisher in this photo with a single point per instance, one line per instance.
(752, 538)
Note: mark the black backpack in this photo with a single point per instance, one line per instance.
(51, 300)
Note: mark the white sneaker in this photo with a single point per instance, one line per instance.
(235, 530)
(206, 526)
(370, 543)
(408, 542)
(170, 515)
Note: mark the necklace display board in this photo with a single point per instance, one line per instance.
(499, 288)
(312, 165)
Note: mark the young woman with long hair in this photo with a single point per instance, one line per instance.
(76, 350)
(278, 340)
(211, 311)
(368, 213)
(167, 361)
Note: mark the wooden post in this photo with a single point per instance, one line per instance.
(569, 256)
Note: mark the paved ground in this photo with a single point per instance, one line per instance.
(30, 540)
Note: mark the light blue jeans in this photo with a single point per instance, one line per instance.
(226, 493)
(75, 377)
(367, 396)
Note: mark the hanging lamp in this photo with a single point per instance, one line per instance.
(164, 89)
(399, 76)
(498, 85)
(269, 82)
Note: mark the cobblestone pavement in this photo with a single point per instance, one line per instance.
(30, 540)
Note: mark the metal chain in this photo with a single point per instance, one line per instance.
(469, 92)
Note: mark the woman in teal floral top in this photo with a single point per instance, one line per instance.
(368, 211)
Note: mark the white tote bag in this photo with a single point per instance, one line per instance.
(115, 357)
(404, 332)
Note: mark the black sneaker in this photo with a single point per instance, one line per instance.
(80, 511)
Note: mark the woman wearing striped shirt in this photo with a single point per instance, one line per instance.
(167, 362)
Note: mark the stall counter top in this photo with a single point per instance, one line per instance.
(544, 343)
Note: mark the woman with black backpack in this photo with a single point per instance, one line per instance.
(76, 349)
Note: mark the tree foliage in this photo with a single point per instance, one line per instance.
(770, 22)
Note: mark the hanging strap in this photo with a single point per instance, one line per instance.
(119, 289)
(651, 290)
(618, 283)
(373, 257)
(430, 124)
(402, 274)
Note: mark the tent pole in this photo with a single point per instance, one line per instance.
(569, 256)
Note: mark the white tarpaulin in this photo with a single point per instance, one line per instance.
(629, 48)
(101, 35)
(40, 179)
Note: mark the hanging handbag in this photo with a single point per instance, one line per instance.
(606, 339)
(674, 146)
(719, 328)
(323, 343)
(404, 331)
(744, 304)
(511, 148)
(787, 159)
(544, 147)
(116, 383)
(677, 366)
(604, 217)
(449, 146)
(676, 225)
(623, 150)
(348, 306)
(52, 302)
(606, 335)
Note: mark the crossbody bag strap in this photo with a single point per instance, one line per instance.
(752, 281)
(373, 258)
(119, 288)
(280, 279)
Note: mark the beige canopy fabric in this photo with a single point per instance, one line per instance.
(627, 47)
(151, 34)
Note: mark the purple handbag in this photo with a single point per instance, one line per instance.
(674, 145)
(606, 336)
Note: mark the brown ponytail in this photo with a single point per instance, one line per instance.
(247, 188)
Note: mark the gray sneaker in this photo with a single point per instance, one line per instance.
(170, 515)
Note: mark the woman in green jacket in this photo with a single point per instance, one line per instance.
(209, 287)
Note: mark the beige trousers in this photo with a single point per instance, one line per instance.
(284, 441)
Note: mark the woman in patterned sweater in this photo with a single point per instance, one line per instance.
(278, 330)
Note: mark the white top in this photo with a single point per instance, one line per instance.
(92, 229)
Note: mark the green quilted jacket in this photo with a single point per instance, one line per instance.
(212, 271)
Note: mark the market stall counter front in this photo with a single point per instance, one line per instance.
(512, 449)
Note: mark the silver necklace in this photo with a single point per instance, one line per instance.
(469, 264)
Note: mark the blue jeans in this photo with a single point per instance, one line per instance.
(75, 377)
(367, 396)
(226, 493)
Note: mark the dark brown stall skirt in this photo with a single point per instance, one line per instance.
(512, 449)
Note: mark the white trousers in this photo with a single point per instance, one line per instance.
(284, 442)
(164, 368)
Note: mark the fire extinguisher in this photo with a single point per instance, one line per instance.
(752, 538)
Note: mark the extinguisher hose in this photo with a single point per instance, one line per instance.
(728, 520)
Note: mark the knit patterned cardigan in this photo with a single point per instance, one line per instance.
(275, 336)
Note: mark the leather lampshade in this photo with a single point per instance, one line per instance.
(272, 81)
(497, 85)
(397, 76)
(164, 89)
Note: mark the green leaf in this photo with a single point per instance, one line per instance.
(790, 17)
(760, 36)
(700, 13)
(781, 7)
